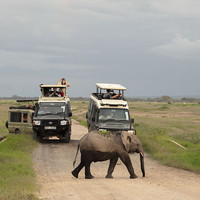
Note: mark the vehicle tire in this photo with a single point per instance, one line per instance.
(7, 124)
(40, 138)
(35, 136)
(67, 137)
(17, 131)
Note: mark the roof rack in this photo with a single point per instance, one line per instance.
(101, 87)
(52, 86)
(106, 86)
(25, 100)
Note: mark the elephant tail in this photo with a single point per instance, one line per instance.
(74, 162)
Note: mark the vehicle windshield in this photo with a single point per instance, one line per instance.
(113, 115)
(51, 109)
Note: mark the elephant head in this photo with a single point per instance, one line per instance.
(132, 144)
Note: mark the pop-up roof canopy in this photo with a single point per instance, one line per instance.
(110, 86)
(45, 89)
(52, 86)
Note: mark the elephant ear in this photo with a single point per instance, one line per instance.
(126, 140)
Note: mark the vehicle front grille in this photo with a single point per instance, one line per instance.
(50, 122)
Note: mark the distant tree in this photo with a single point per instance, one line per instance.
(167, 99)
(15, 97)
(191, 100)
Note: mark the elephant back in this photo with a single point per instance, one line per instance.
(93, 141)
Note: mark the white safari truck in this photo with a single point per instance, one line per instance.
(108, 109)
(53, 113)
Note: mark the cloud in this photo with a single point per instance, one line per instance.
(180, 48)
(177, 7)
(96, 41)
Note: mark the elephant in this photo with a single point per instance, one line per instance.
(96, 147)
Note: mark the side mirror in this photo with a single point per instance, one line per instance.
(70, 114)
(32, 117)
(132, 121)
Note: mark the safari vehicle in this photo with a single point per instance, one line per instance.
(20, 117)
(109, 114)
(53, 113)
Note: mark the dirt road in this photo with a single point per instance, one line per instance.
(53, 163)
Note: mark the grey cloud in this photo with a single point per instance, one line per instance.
(129, 42)
(180, 48)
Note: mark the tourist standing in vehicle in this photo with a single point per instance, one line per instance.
(63, 81)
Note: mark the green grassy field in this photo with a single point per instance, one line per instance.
(159, 123)
(3, 118)
(158, 126)
(17, 177)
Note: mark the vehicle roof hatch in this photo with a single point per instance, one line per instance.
(110, 86)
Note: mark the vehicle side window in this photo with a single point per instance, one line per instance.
(25, 117)
(94, 111)
(90, 106)
(15, 117)
(68, 107)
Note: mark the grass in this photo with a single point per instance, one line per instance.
(159, 123)
(178, 122)
(17, 177)
(3, 118)
(156, 125)
(82, 122)
(79, 110)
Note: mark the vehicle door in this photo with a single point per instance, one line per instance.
(14, 122)
(89, 113)
(94, 115)
(27, 122)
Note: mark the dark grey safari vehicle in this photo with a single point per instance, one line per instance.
(53, 113)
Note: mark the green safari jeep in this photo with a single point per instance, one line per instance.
(20, 118)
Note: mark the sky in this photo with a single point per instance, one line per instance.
(150, 47)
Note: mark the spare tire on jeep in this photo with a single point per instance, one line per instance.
(6, 124)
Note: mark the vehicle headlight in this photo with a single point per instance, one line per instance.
(63, 122)
(132, 131)
(36, 122)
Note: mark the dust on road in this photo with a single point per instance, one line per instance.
(53, 163)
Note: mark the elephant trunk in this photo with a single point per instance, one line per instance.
(142, 163)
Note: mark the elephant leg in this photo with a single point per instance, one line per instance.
(76, 171)
(111, 167)
(127, 161)
(88, 174)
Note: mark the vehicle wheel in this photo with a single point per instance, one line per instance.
(7, 124)
(67, 137)
(17, 131)
(40, 138)
(35, 136)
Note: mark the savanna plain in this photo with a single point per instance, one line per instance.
(169, 132)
